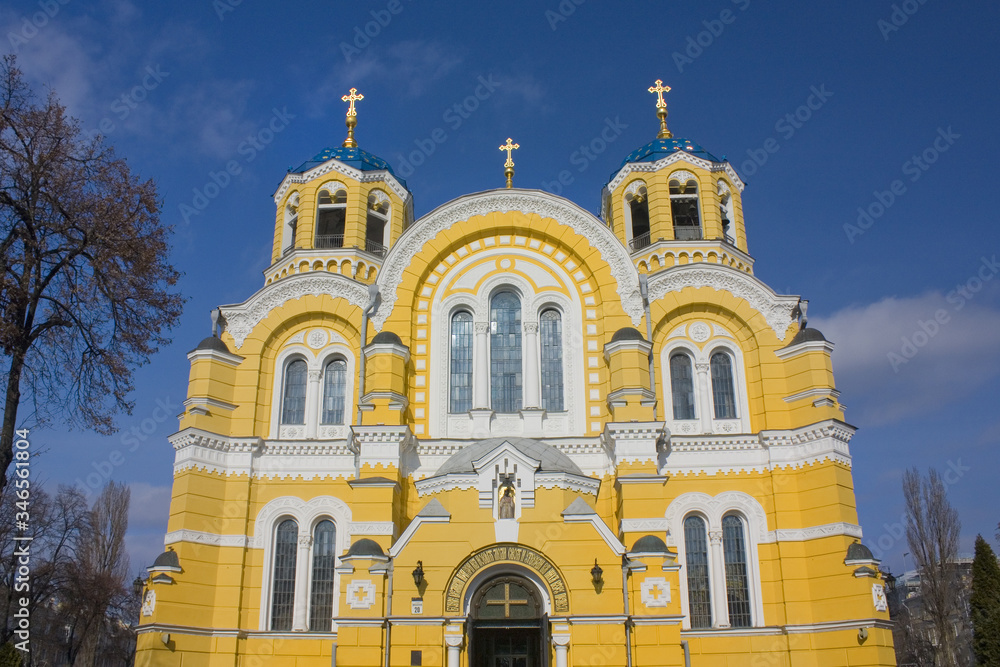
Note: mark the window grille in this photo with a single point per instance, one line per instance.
(293, 405)
(682, 386)
(737, 586)
(461, 363)
(550, 331)
(283, 591)
(699, 593)
(722, 386)
(334, 392)
(324, 560)
(505, 353)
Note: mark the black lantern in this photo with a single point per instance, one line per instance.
(137, 587)
(597, 573)
(418, 573)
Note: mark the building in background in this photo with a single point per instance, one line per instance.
(513, 433)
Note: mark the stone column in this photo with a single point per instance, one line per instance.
(717, 562)
(314, 397)
(481, 367)
(561, 643)
(532, 361)
(300, 623)
(703, 391)
(453, 639)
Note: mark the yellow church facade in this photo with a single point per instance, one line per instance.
(513, 433)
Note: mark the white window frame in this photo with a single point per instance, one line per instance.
(290, 226)
(379, 198)
(712, 509)
(682, 177)
(307, 515)
(316, 361)
(636, 187)
(726, 202)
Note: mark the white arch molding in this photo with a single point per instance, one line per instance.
(528, 202)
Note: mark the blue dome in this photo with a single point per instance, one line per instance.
(353, 157)
(661, 148)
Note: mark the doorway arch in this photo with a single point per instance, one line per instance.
(508, 623)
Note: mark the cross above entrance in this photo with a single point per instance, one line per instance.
(507, 601)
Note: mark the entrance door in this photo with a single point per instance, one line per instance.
(507, 625)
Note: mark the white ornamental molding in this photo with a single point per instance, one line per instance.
(655, 592)
(776, 309)
(360, 594)
(655, 525)
(149, 603)
(209, 539)
(682, 176)
(334, 166)
(678, 156)
(241, 319)
(878, 598)
(529, 203)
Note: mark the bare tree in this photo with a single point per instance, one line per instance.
(932, 532)
(84, 273)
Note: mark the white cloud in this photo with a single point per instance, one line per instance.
(894, 360)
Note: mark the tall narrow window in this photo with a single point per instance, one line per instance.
(291, 225)
(727, 213)
(639, 209)
(378, 216)
(505, 352)
(334, 391)
(283, 584)
(737, 586)
(722, 386)
(699, 594)
(682, 386)
(324, 560)
(684, 210)
(293, 400)
(331, 214)
(550, 331)
(460, 387)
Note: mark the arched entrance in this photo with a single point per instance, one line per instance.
(508, 624)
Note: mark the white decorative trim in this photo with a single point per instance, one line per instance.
(360, 594)
(411, 529)
(815, 392)
(840, 529)
(682, 176)
(654, 525)
(542, 204)
(634, 187)
(655, 592)
(602, 529)
(242, 319)
(803, 348)
(210, 539)
(372, 528)
(149, 603)
(215, 355)
(677, 156)
(334, 165)
(776, 309)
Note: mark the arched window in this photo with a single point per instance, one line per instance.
(377, 221)
(293, 400)
(331, 214)
(291, 224)
(737, 584)
(323, 562)
(723, 393)
(550, 331)
(684, 210)
(283, 583)
(334, 391)
(682, 386)
(638, 207)
(727, 212)
(461, 363)
(505, 352)
(699, 593)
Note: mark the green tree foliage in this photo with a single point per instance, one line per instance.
(985, 605)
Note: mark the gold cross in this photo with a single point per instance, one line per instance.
(659, 89)
(354, 97)
(509, 146)
(506, 602)
(661, 108)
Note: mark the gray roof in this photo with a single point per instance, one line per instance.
(167, 559)
(213, 343)
(627, 333)
(807, 336)
(365, 547)
(578, 507)
(858, 551)
(650, 544)
(434, 508)
(387, 337)
(552, 460)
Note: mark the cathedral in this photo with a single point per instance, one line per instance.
(512, 433)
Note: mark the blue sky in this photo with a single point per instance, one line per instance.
(904, 128)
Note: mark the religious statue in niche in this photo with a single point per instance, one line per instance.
(506, 508)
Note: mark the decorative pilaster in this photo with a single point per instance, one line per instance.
(560, 640)
(704, 397)
(300, 623)
(532, 379)
(454, 637)
(312, 407)
(717, 559)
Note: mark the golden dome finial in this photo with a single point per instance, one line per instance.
(661, 108)
(352, 117)
(509, 164)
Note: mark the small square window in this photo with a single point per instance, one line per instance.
(415, 658)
